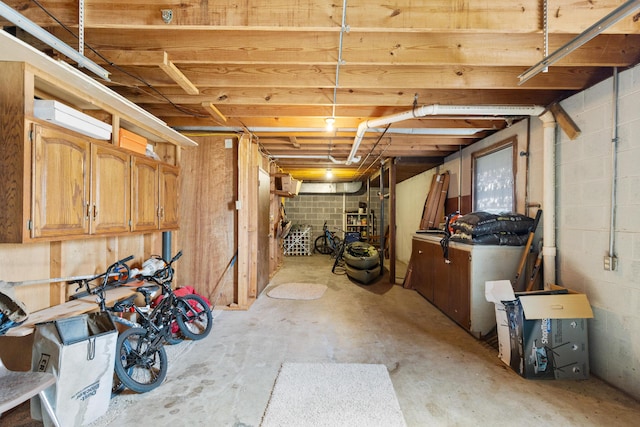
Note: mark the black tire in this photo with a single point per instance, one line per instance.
(140, 367)
(116, 387)
(174, 338)
(193, 316)
(321, 245)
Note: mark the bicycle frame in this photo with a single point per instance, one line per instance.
(330, 235)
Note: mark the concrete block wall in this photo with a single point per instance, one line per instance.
(314, 209)
(584, 175)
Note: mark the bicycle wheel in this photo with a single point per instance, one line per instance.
(337, 243)
(193, 316)
(321, 245)
(140, 366)
(174, 336)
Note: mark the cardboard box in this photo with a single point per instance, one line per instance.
(69, 118)
(80, 351)
(547, 331)
(132, 141)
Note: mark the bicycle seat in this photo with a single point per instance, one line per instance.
(147, 290)
(121, 306)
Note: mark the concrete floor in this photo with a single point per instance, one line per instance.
(442, 375)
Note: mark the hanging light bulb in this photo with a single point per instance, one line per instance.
(330, 121)
(329, 174)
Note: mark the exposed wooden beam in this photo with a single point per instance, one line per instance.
(213, 111)
(565, 121)
(294, 141)
(499, 15)
(177, 76)
(374, 48)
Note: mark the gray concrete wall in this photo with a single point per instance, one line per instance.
(314, 209)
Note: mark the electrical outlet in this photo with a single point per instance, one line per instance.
(610, 263)
(228, 143)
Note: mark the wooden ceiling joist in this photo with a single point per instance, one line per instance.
(177, 76)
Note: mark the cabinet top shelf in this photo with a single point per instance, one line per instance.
(69, 84)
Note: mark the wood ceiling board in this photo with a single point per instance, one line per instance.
(195, 47)
(274, 64)
(377, 100)
(361, 77)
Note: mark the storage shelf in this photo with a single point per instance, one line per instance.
(360, 222)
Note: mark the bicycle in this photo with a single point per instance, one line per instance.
(193, 318)
(328, 242)
(141, 362)
(137, 349)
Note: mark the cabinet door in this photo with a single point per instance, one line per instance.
(169, 206)
(459, 308)
(110, 190)
(144, 194)
(425, 256)
(60, 198)
(441, 280)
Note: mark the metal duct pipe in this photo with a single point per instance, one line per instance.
(549, 199)
(436, 110)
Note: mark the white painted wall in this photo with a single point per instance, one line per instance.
(583, 194)
(412, 193)
(584, 174)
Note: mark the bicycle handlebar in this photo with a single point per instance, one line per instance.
(110, 271)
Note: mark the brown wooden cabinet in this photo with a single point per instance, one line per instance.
(168, 196)
(60, 199)
(57, 184)
(110, 208)
(456, 285)
(144, 194)
(154, 195)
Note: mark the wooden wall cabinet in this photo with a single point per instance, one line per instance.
(168, 196)
(144, 194)
(456, 287)
(60, 170)
(110, 208)
(154, 194)
(56, 184)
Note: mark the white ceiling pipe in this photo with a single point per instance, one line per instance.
(312, 156)
(549, 199)
(403, 131)
(436, 110)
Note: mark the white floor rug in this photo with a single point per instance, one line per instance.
(302, 291)
(333, 395)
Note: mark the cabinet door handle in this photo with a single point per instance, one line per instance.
(419, 251)
(95, 211)
(88, 210)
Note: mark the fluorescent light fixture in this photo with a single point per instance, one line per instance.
(51, 40)
(612, 18)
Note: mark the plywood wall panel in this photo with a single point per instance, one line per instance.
(207, 218)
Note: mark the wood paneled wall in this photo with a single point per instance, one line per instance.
(207, 235)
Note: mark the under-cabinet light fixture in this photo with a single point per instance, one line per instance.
(329, 173)
(612, 18)
(44, 36)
